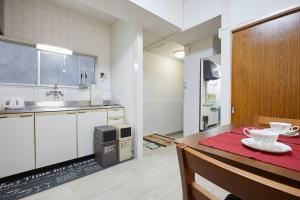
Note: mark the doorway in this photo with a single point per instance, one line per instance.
(210, 92)
(163, 94)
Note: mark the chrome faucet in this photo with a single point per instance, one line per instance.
(55, 92)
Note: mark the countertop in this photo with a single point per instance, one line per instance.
(68, 107)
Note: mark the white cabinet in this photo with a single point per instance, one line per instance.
(116, 112)
(16, 143)
(86, 121)
(115, 116)
(115, 120)
(55, 137)
(29, 141)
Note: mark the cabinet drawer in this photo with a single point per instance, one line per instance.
(116, 112)
(115, 120)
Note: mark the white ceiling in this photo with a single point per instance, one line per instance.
(150, 38)
(167, 45)
(201, 31)
(165, 48)
(128, 11)
(86, 10)
(160, 36)
(184, 37)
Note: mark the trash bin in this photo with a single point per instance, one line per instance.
(124, 137)
(123, 130)
(124, 148)
(105, 145)
(205, 122)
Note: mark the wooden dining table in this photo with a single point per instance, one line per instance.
(273, 172)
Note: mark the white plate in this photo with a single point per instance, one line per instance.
(277, 147)
(290, 134)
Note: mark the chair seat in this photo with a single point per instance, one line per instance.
(232, 197)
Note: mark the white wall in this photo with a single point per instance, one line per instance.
(198, 11)
(200, 49)
(243, 11)
(163, 94)
(41, 22)
(127, 76)
(169, 10)
(235, 12)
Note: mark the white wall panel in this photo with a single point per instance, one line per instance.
(198, 11)
(200, 49)
(127, 76)
(163, 94)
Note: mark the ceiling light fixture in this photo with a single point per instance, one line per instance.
(179, 54)
(54, 49)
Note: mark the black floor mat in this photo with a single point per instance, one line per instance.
(43, 180)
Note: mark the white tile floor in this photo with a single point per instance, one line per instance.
(155, 177)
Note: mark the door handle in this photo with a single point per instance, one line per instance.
(30, 115)
(232, 110)
(71, 113)
(114, 118)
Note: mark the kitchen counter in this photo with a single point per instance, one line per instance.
(53, 106)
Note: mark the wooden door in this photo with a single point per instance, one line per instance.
(266, 70)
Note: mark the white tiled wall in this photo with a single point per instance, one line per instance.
(39, 93)
(39, 21)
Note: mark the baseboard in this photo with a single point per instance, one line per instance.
(174, 133)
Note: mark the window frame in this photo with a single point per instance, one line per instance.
(38, 70)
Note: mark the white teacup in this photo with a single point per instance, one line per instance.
(283, 127)
(266, 136)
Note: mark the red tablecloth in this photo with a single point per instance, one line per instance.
(231, 142)
(284, 139)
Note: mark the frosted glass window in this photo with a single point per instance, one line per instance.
(18, 63)
(59, 69)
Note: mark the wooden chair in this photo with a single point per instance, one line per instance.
(245, 185)
(261, 120)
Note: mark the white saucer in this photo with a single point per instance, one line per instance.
(277, 147)
(290, 134)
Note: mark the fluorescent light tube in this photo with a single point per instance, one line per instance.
(54, 49)
(179, 54)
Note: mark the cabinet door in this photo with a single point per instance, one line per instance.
(116, 112)
(55, 138)
(16, 144)
(86, 122)
(115, 121)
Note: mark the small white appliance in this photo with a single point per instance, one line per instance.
(14, 103)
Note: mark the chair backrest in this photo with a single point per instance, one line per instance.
(241, 183)
(262, 120)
